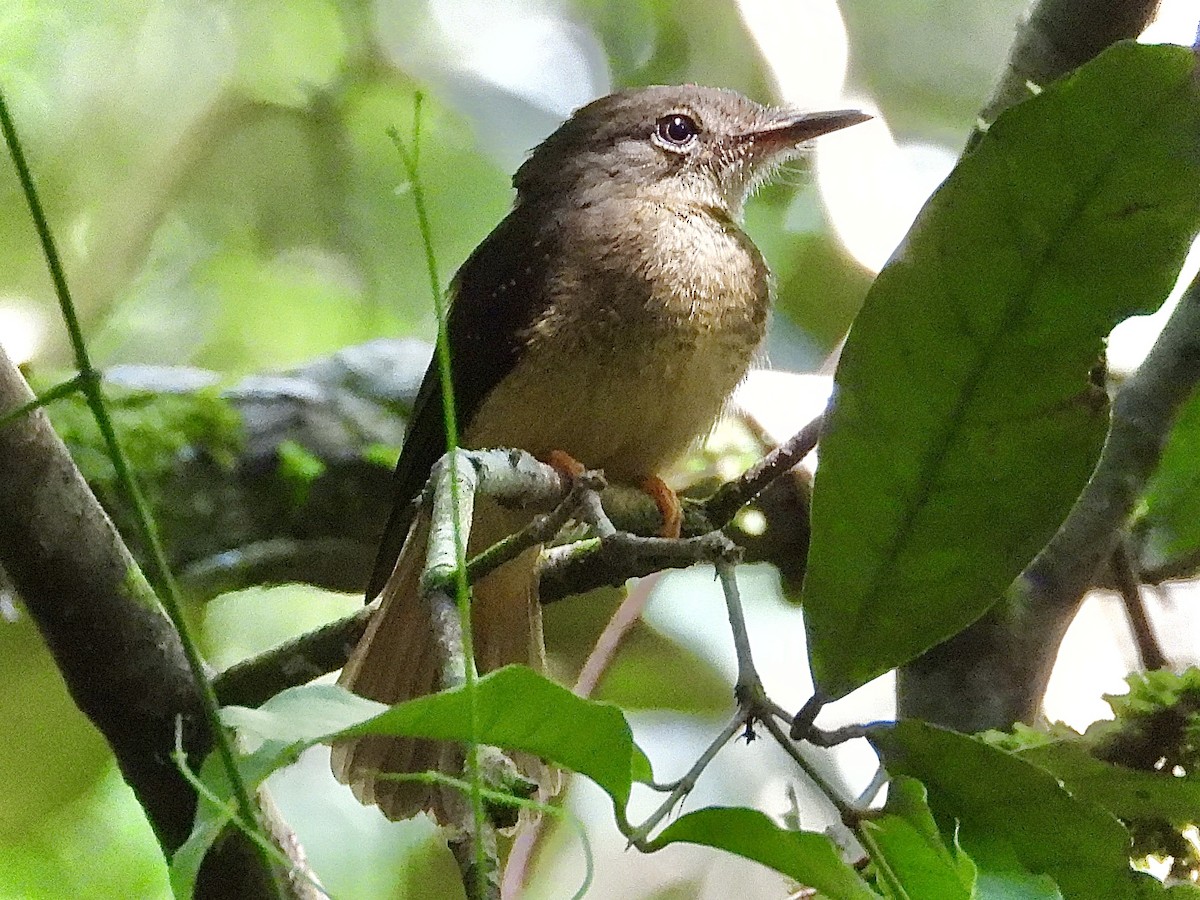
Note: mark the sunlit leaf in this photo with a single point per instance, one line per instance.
(811, 859)
(967, 418)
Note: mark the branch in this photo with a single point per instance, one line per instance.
(1057, 37)
(120, 656)
(732, 496)
(1150, 652)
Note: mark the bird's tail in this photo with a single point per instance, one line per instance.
(397, 659)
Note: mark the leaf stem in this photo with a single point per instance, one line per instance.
(57, 392)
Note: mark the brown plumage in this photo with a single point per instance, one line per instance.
(609, 316)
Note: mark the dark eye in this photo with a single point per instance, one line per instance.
(677, 129)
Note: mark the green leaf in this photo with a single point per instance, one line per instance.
(811, 859)
(1127, 793)
(211, 819)
(517, 710)
(1004, 806)
(912, 849)
(1168, 524)
(965, 420)
(1003, 877)
(521, 710)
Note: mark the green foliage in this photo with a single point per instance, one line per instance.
(382, 455)
(907, 849)
(934, 469)
(1141, 766)
(1004, 810)
(811, 859)
(1168, 522)
(970, 364)
(154, 428)
(298, 468)
(519, 710)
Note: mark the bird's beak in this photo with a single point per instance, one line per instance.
(791, 129)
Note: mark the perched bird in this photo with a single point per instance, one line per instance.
(609, 317)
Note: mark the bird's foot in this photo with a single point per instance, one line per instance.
(668, 505)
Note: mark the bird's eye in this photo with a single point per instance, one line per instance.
(677, 129)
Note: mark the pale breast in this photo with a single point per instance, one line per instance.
(647, 339)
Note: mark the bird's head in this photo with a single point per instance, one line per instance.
(686, 144)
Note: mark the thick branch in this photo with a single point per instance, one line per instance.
(117, 651)
(1057, 37)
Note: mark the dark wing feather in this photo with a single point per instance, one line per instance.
(495, 297)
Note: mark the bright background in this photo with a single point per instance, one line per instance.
(224, 195)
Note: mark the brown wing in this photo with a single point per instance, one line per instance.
(495, 297)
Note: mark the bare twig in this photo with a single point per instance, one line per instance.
(732, 496)
(605, 650)
(638, 834)
(254, 680)
(541, 528)
(593, 563)
(1150, 652)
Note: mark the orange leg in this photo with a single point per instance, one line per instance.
(565, 464)
(668, 505)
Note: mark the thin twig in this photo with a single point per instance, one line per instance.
(593, 563)
(1149, 650)
(540, 529)
(628, 614)
(849, 813)
(732, 496)
(749, 685)
(637, 834)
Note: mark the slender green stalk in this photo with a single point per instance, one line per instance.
(409, 156)
(504, 799)
(89, 382)
(45, 399)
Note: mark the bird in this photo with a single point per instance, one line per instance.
(606, 319)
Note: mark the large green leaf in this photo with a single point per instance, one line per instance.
(965, 419)
(1003, 807)
(811, 859)
(517, 710)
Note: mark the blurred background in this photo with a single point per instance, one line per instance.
(224, 195)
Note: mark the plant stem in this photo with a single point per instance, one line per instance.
(450, 418)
